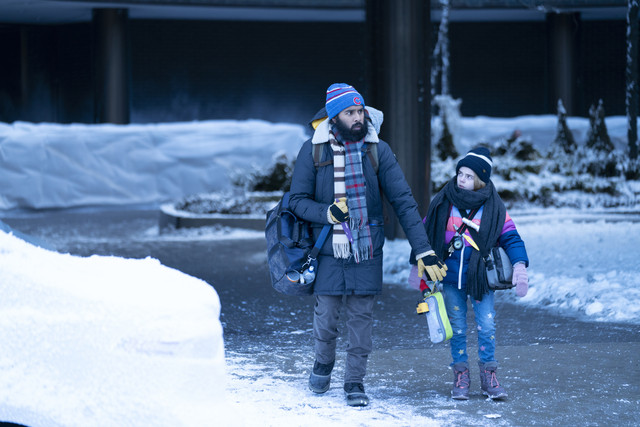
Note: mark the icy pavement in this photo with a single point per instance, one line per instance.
(558, 369)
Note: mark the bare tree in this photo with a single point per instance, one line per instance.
(632, 78)
(441, 56)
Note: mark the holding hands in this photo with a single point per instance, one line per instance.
(431, 264)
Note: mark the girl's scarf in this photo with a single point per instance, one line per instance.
(491, 225)
(349, 182)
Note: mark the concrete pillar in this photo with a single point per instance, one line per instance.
(399, 85)
(24, 68)
(111, 66)
(563, 36)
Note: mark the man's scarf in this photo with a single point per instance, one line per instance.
(491, 225)
(349, 182)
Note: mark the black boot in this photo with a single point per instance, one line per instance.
(355, 394)
(320, 377)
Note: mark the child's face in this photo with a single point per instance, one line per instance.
(466, 178)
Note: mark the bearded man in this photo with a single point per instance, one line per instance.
(343, 187)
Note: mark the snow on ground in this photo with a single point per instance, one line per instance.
(106, 341)
(69, 323)
(89, 317)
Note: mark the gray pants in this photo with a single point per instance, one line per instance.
(359, 322)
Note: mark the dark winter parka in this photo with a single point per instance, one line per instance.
(312, 193)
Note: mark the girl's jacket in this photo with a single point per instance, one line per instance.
(457, 262)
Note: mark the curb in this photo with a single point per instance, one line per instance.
(175, 220)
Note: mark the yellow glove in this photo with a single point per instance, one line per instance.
(436, 269)
(339, 211)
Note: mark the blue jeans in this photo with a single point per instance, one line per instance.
(456, 302)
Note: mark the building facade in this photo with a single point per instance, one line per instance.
(169, 60)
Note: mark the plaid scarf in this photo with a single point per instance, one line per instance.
(349, 182)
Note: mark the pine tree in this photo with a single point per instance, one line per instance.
(598, 137)
(564, 137)
(450, 121)
(445, 146)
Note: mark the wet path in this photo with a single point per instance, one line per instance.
(558, 370)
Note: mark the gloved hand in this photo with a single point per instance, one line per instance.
(520, 279)
(435, 268)
(338, 211)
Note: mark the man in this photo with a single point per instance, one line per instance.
(342, 188)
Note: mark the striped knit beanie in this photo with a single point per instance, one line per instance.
(479, 161)
(341, 96)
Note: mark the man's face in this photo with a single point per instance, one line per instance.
(351, 123)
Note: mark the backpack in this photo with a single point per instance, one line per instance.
(290, 249)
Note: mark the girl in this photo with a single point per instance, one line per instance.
(471, 194)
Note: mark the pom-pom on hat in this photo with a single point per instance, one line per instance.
(479, 161)
(341, 96)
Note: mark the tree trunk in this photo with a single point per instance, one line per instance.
(632, 78)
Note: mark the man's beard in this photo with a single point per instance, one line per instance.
(354, 133)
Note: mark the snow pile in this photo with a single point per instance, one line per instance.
(126, 342)
(59, 166)
(540, 129)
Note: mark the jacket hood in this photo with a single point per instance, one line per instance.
(321, 125)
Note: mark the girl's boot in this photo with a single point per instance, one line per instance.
(489, 381)
(461, 381)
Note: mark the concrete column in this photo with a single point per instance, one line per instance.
(24, 68)
(399, 85)
(563, 35)
(111, 66)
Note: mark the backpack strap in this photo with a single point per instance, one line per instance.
(372, 152)
(321, 238)
(317, 246)
(317, 155)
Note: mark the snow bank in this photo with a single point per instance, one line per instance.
(123, 341)
(541, 129)
(59, 166)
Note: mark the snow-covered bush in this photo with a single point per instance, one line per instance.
(594, 174)
(273, 177)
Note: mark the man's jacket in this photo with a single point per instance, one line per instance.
(312, 193)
